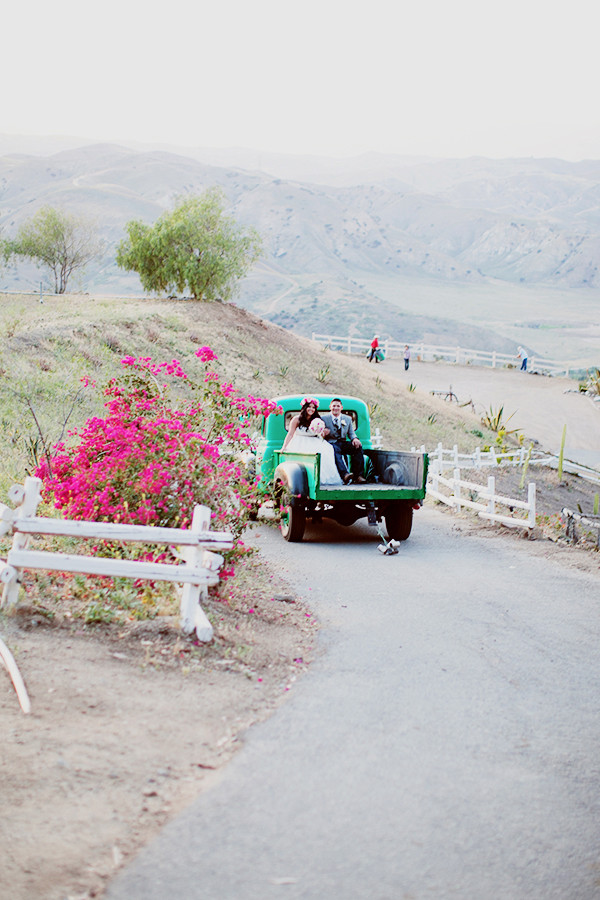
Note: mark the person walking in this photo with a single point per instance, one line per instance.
(406, 357)
(374, 349)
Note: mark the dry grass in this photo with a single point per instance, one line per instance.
(46, 348)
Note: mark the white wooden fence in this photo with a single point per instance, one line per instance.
(479, 459)
(200, 567)
(450, 458)
(432, 352)
(481, 498)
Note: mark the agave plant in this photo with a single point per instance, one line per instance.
(494, 420)
(593, 382)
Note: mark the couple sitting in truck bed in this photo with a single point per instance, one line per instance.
(339, 441)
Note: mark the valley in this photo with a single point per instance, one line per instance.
(479, 253)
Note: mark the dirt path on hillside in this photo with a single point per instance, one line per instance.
(540, 411)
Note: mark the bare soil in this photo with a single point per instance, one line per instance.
(128, 724)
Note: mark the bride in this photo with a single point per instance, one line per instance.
(304, 437)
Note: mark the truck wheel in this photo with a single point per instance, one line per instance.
(398, 521)
(292, 516)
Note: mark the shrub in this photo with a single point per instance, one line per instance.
(165, 444)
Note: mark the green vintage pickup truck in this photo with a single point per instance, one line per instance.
(395, 480)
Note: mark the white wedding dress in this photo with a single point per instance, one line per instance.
(304, 442)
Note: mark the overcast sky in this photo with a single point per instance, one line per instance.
(325, 77)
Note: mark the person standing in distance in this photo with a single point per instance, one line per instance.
(406, 357)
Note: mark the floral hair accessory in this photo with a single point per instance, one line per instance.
(306, 400)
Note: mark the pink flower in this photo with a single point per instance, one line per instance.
(205, 354)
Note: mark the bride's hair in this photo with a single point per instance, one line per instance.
(305, 420)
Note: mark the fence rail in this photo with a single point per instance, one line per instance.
(480, 459)
(481, 498)
(199, 568)
(433, 352)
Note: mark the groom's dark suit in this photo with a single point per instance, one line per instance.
(341, 437)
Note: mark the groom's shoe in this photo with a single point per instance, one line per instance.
(347, 478)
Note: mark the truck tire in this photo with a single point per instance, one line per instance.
(292, 520)
(398, 520)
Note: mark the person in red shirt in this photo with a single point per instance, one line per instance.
(374, 349)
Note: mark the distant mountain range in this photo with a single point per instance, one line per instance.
(342, 238)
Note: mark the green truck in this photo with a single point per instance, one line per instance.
(395, 480)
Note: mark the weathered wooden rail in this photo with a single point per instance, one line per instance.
(447, 353)
(482, 498)
(195, 547)
(200, 566)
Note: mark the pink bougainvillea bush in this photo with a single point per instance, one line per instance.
(167, 442)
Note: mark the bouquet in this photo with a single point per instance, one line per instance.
(317, 427)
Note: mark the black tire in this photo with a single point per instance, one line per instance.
(292, 515)
(398, 520)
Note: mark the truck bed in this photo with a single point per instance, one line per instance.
(392, 474)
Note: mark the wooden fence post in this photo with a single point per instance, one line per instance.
(8, 659)
(435, 471)
(531, 504)
(491, 507)
(28, 496)
(456, 489)
(192, 614)
(440, 455)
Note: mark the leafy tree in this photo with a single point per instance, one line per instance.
(194, 248)
(59, 240)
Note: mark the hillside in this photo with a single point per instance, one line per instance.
(378, 247)
(46, 348)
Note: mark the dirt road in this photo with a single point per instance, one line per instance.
(541, 411)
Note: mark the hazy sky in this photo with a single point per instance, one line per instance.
(330, 77)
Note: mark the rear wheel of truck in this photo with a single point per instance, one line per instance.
(398, 520)
(292, 516)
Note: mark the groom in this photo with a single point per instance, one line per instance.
(339, 431)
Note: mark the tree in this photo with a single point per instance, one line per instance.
(59, 240)
(194, 248)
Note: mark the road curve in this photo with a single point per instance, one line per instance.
(444, 743)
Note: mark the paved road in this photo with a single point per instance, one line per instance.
(541, 405)
(444, 743)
